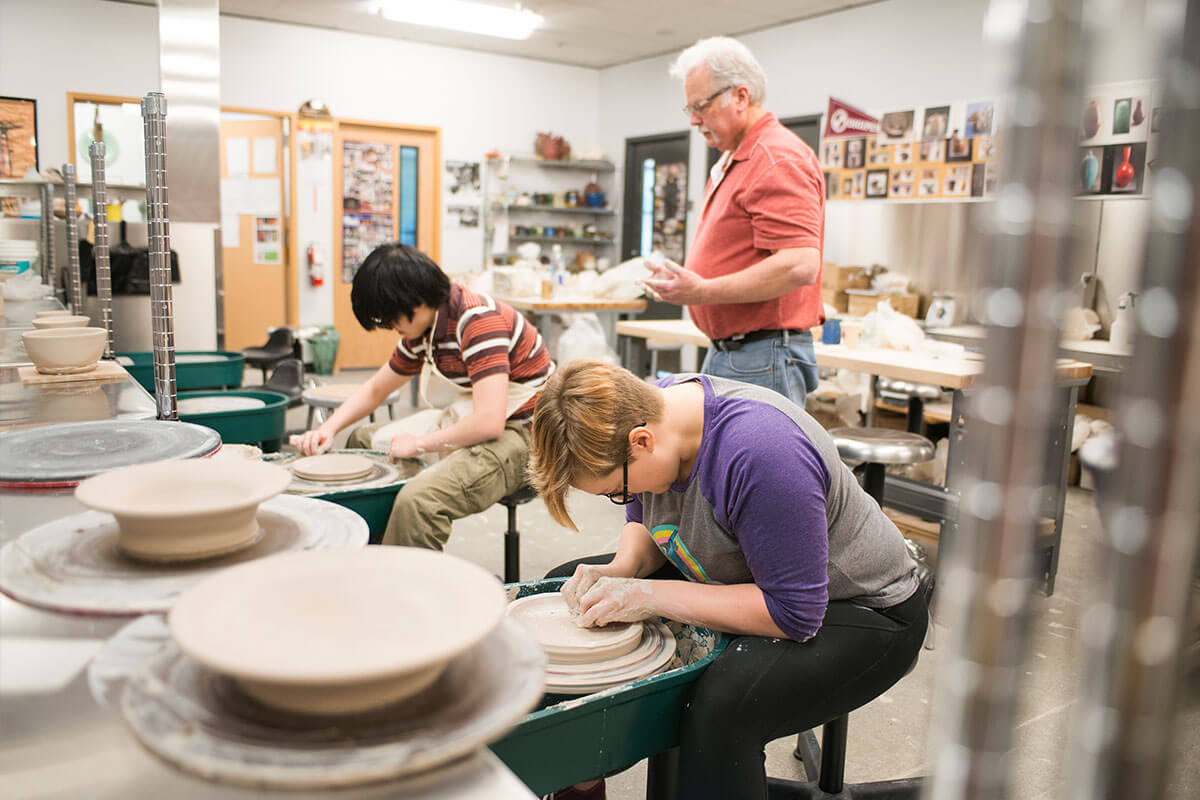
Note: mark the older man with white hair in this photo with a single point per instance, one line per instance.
(752, 277)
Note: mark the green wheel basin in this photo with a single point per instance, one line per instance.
(263, 425)
(194, 369)
(571, 738)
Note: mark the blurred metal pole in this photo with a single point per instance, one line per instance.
(990, 577)
(49, 269)
(100, 250)
(1136, 631)
(74, 289)
(154, 113)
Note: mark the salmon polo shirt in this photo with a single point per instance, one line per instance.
(767, 195)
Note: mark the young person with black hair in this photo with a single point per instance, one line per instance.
(481, 366)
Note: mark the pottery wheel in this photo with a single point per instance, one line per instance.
(546, 617)
(383, 473)
(68, 453)
(202, 723)
(655, 652)
(332, 467)
(215, 404)
(73, 564)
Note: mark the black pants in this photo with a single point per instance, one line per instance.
(761, 689)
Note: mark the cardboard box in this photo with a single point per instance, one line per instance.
(842, 278)
(838, 299)
(863, 303)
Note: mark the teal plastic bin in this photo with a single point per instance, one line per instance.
(571, 738)
(260, 426)
(194, 369)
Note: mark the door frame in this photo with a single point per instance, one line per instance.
(628, 219)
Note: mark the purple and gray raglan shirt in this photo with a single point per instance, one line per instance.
(770, 502)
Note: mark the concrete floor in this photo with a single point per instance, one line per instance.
(888, 737)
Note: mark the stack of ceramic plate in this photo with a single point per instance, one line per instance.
(583, 660)
(332, 467)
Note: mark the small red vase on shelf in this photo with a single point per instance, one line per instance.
(1125, 173)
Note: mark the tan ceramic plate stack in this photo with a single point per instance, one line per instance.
(332, 467)
(338, 632)
(583, 660)
(184, 510)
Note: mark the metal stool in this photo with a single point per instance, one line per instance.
(915, 394)
(512, 536)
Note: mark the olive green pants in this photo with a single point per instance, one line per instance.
(462, 483)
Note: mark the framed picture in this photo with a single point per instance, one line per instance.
(831, 154)
(985, 148)
(933, 151)
(832, 184)
(958, 148)
(929, 182)
(956, 181)
(897, 124)
(1091, 164)
(858, 184)
(1124, 168)
(902, 153)
(1122, 111)
(878, 155)
(978, 171)
(18, 136)
(855, 153)
(877, 183)
(980, 118)
(900, 183)
(936, 124)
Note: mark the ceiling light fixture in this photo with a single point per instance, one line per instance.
(460, 15)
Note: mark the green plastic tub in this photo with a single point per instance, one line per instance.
(194, 369)
(261, 426)
(568, 739)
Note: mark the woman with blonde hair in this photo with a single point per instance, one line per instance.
(741, 517)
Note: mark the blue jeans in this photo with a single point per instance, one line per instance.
(785, 363)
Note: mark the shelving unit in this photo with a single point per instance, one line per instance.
(507, 178)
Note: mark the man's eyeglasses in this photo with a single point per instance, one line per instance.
(623, 497)
(702, 106)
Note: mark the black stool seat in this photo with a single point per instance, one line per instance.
(288, 379)
(881, 446)
(280, 344)
(512, 536)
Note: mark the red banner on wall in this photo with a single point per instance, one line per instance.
(843, 120)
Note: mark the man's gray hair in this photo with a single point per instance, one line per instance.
(729, 62)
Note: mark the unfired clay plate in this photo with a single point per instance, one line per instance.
(180, 510)
(215, 404)
(546, 616)
(338, 632)
(332, 467)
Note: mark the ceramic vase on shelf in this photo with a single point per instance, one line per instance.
(1089, 168)
(1125, 173)
(1138, 114)
(1091, 119)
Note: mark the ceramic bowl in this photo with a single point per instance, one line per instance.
(184, 510)
(60, 312)
(60, 351)
(61, 321)
(338, 631)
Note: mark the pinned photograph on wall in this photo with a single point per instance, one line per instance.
(855, 153)
(956, 181)
(1091, 162)
(991, 178)
(1122, 110)
(847, 181)
(958, 147)
(1091, 118)
(902, 152)
(877, 183)
(978, 173)
(832, 185)
(985, 148)
(900, 183)
(936, 123)
(858, 184)
(1154, 120)
(831, 153)
(927, 185)
(980, 119)
(1124, 168)
(268, 240)
(896, 125)
(1138, 116)
(933, 151)
(878, 155)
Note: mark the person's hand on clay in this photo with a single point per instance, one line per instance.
(578, 584)
(312, 442)
(616, 600)
(671, 283)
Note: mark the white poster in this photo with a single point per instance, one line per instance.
(237, 156)
(264, 155)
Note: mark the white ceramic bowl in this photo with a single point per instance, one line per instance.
(184, 510)
(60, 351)
(60, 312)
(338, 631)
(62, 321)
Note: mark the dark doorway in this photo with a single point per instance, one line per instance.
(807, 127)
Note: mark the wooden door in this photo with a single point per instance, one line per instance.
(254, 261)
(374, 172)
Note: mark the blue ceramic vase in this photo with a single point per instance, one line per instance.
(1089, 168)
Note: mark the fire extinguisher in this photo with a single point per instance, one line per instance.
(315, 256)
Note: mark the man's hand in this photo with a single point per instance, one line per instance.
(671, 283)
(616, 600)
(404, 445)
(312, 442)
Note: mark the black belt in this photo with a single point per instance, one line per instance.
(736, 342)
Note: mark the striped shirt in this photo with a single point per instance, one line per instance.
(474, 337)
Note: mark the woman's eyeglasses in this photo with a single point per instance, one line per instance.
(623, 497)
